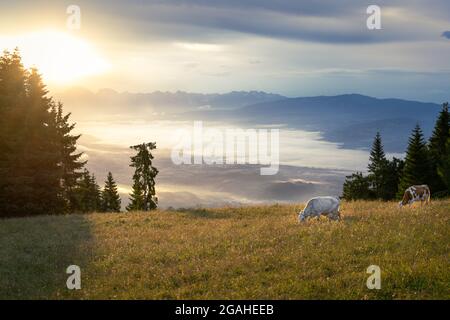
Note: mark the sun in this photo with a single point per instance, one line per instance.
(61, 58)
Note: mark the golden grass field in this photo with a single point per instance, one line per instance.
(230, 253)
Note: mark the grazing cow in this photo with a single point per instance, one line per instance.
(416, 193)
(327, 206)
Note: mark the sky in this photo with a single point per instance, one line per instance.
(294, 48)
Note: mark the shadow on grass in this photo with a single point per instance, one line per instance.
(35, 253)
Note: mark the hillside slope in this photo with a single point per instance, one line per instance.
(250, 252)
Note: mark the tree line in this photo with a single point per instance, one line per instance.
(41, 171)
(426, 162)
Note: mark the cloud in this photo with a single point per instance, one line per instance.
(205, 20)
(446, 34)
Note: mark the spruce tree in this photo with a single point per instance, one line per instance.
(417, 168)
(378, 168)
(444, 169)
(33, 170)
(69, 160)
(438, 148)
(110, 196)
(137, 195)
(143, 193)
(13, 94)
(39, 160)
(377, 159)
(96, 194)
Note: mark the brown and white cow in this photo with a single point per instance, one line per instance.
(416, 193)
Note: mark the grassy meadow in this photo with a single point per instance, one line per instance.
(257, 252)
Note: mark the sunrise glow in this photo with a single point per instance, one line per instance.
(62, 58)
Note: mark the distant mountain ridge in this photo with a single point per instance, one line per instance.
(353, 119)
(179, 100)
(348, 119)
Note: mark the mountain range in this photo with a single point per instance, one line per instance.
(350, 120)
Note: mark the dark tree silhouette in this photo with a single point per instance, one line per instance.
(417, 169)
(357, 186)
(143, 193)
(110, 196)
(438, 150)
(377, 168)
(87, 194)
(37, 156)
(69, 160)
(383, 174)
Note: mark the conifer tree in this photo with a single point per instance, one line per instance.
(87, 193)
(137, 195)
(143, 193)
(383, 173)
(438, 148)
(444, 168)
(39, 160)
(417, 168)
(69, 161)
(357, 186)
(13, 94)
(96, 194)
(110, 196)
(33, 137)
(393, 173)
(377, 167)
(377, 159)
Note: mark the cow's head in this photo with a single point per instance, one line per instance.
(301, 216)
(407, 196)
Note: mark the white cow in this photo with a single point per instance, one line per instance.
(327, 206)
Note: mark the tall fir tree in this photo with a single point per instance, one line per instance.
(69, 160)
(377, 159)
(437, 146)
(377, 167)
(383, 173)
(444, 169)
(13, 95)
(417, 168)
(143, 196)
(110, 197)
(39, 160)
(31, 143)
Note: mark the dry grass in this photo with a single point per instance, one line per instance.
(229, 253)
